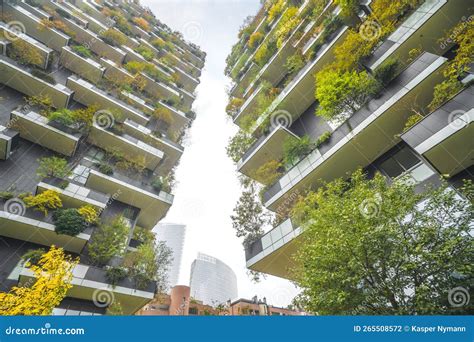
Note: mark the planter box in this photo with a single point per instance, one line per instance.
(95, 43)
(32, 43)
(114, 72)
(84, 67)
(48, 36)
(34, 127)
(17, 78)
(87, 94)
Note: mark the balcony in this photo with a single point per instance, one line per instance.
(129, 146)
(92, 11)
(74, 195)
(158, 90)
(7, 137)
(248, 106)
(444, 137)
(88, 95)
(85, 67)
(265, 149)
(48, 36)
(115, 73)
(88, 281)
(19, 78)
(153, 205)
(421, 30)
(189, 82)
(34, 227)
(37, 129)
(94, 42)
(172, 151)
(44, 51)
(131, 55)
(92, 24)
(137, 102)
(35, 10)
(298, 95)
(374, 131)
(273, 252)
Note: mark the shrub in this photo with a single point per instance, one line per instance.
(135, 66)
(109, 240)
(157, 183)
(106, 169)
(143, 235)
(114, 37)
(115, 275)
(233, 106)
(82, 51)
(387, 71)
(32, 257)
(142, 23)
(63, 116)
(163, 114)
(294, 63)
(255, 39)
(268, 173)
(6, 195)
(412, 121)
(323, 138)
(63, 13)
(44, 201)
(265, 52)
(52, 167)
(295, 149)
(24, 53)
(89, 213)
(43, 101)
(238, 145)
(158, 43)
(69, 222)
(146, 53)
(275, 10)
(342, 93)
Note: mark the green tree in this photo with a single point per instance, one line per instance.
(52, 167)
(341, 94)
(373, 248)
(109, 240)
(238, 145)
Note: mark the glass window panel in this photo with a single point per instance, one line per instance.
(406, 158)
(391, 168)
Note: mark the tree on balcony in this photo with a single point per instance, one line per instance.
(53, 276)
(52, 167)
(373, 248)
(109, 240)
(24, 53)
(44, 201)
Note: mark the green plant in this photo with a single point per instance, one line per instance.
(32, 256)
(114, 37)
(115, 274)
(44, 201)
(63, 13)
(89, 213)
(68, 222)
(268, 173)
(63, 184)
(6, 195)
(109, 240)
(295, 149)
(143, 235)
(22, 52)
(412, 121)
(63, 116)
(255, 39)
(341, 94)
(157, 183)
(294, 63)
(82, 51)
(238, 145)
(52, 167)
(106, 169)
(387, 71)
(146, 52)
(323, 138)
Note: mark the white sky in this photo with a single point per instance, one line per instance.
(208, 188)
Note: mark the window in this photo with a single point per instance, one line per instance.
(193, 311)
(399, 162)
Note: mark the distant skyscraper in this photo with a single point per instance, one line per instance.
(212, 281)
(173, 235)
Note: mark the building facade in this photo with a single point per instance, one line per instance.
(259, 307)
(212, 281)
(173, 235)
(95, 99)
(405, 129)
(178, 303)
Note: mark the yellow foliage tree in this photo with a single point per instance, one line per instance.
(53, 275)
(44, 201)
(89, 213)
(25, 54)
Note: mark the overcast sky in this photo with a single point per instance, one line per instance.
(208, 187)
